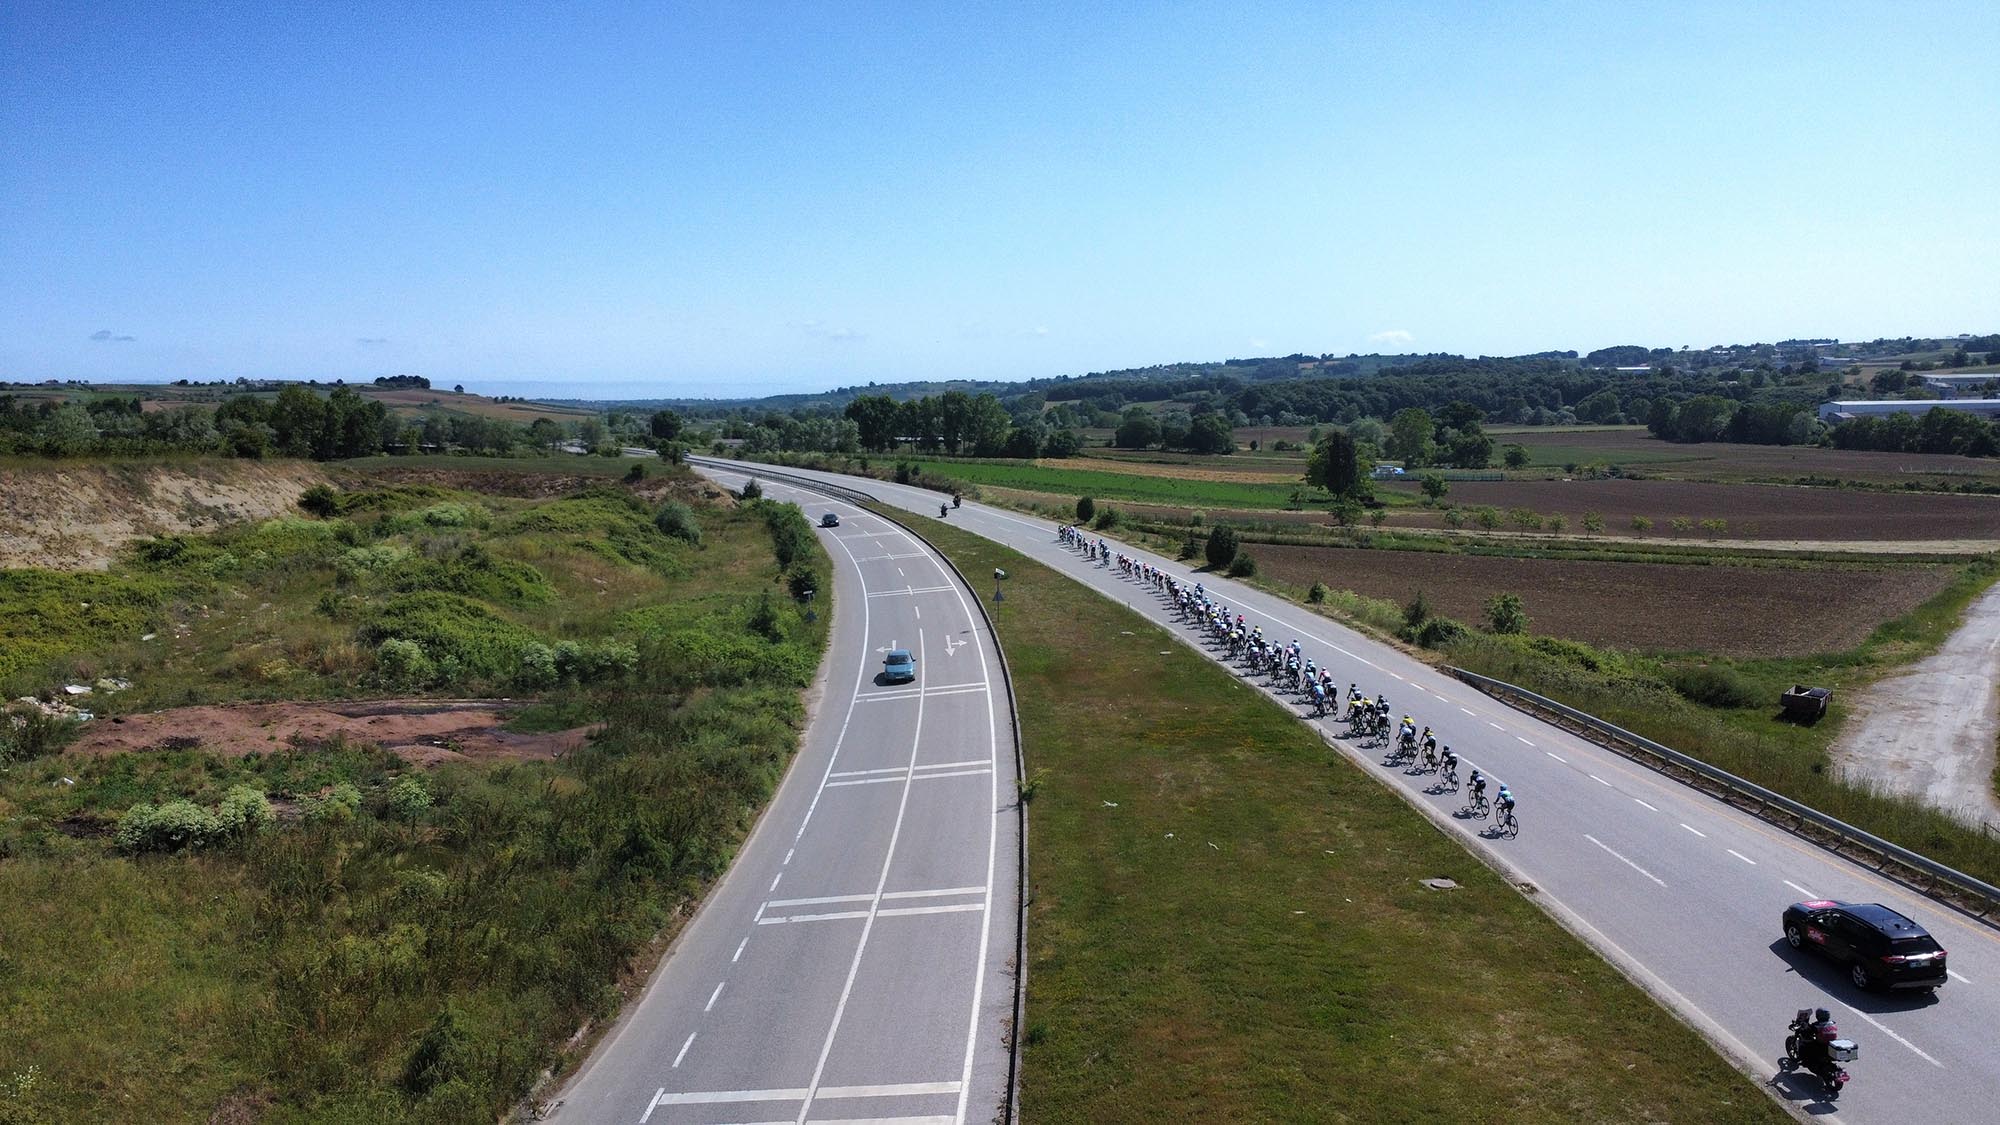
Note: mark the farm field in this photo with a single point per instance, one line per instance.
(1723, 461)
(1770, 512)
(1178, 489)
(1666, 607)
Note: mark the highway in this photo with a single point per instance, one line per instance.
(1681, 891)
(856, 962)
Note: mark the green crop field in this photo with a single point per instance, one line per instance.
(1124, 486)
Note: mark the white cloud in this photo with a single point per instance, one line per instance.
(1392, 336)
(1258, 343)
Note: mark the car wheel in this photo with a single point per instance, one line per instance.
(1794, 938)
(1859, 975)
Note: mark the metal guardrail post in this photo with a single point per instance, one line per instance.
(1940, 882)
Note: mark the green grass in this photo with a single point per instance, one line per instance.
(294, 976)
(1129, 487)
(1227, 924)
(568, 463)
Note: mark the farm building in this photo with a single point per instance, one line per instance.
(1972, 384)
(1835, 412)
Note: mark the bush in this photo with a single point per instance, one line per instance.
(752, 490)
(677, 521)
(1506, 615)
(170, 827)
(1107, 518)
(764, 619)
(1317, 595)
(409, 797)
(319, 500)
(1085, 509)
(337, 807)
(538, 665)
(1243, 566)
(1222, 546)
(1641, 524)
(1711, 686)
(1416, 613)
(801, 581)
(1190, 547)
(1437, 632)
(402, 664)
(244, 811)
(1593, 522)
(1454, 517)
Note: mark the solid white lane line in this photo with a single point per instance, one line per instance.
(900, 775)
(1556, 756)
(954, 773)
(1696, 831)
(955, 908)
(1741, 856)
(1809, 895)
(898, 1090)
(838, 916)
(897, 770)
(909, 590)
(713, 996)
(739, 950)
(684, 1049)
(940, 893)
(1877, 1024)
(1623, 860)
(827, 900)
(868, 923)
(1644, 803)
(956, 765)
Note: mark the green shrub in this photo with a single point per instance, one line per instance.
(1437, 632)
(319, 500)
(177, 824)
(1107, 518)
(452, 514)
(538, 665)
(677, 520)
(752, 490)
(473, 571)
(1317, 595)
(244, 811)
(764, 618)
(409, 797)
(402, 664)
(1086, 508)
(1242, 566)
(1714, 686)
(1222, 546)
(449, 625)
(337, 807)
(1506, 615)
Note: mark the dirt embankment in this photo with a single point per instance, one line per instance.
(75, 516)
(425, 732)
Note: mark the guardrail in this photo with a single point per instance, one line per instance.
(1954, 888)
(1011, 1112)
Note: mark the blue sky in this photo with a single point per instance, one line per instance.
(748, 198)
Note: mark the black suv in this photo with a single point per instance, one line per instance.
(1882, 948)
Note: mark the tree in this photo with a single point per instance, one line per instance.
(1506, 615)
(67, 431)
(666, 425)
(1085, 508)
(985, 426)
(1174, 430)
(1222, 546)
(876, 416)
(1062, 443)
(1517, 457)
(1211, 434)
(544, 432)
(1335, 464)
(1410, 436)
(1137, 429)
(1435, 486)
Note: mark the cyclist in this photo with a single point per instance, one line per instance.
(1478, 783)
(1448, 770)
(1503, 805)
(1319, 699)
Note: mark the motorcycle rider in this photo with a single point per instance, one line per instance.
(1812, 1040)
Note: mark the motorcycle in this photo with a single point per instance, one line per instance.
(955, 501)
(1826, 1067)
(944, 510)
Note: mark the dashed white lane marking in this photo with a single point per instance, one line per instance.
(739, 950)
(1741, 856)
(899, 572)
(1556, 756)
(1623, 860)
(788, 856)
(1905, 1042)
(1696, 831)
(652, 1105)
(1644, 803)
(774, 881)
(1398, 677)
(1600, 781)
(683, 1051)
(1494, 725)
(1518, 738)
(920, 611)
(713, 996)
(1809, 895)
(1467, 710)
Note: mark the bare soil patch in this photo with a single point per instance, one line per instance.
(1753, 511)
(1724, 460)
(424, 732)
(76, 516)
(1726, 610)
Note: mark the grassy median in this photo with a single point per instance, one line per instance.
(1227, 922)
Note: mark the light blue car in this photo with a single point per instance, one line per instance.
(899, 667)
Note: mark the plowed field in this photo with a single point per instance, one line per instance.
(1728, 610)
(1753, 511)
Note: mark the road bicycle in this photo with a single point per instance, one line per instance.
(1505, 825)
(1479, 807)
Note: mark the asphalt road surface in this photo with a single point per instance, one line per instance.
(1683, 892)
(856, 961)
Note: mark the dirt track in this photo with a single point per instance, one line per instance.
(1929, 732)
(424, 732)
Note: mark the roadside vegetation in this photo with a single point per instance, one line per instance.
(319, 929)
(1227, 922)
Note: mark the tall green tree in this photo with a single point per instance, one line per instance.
(1335, 464)
(876, 416)
(1137, 429)
(1410, 436)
